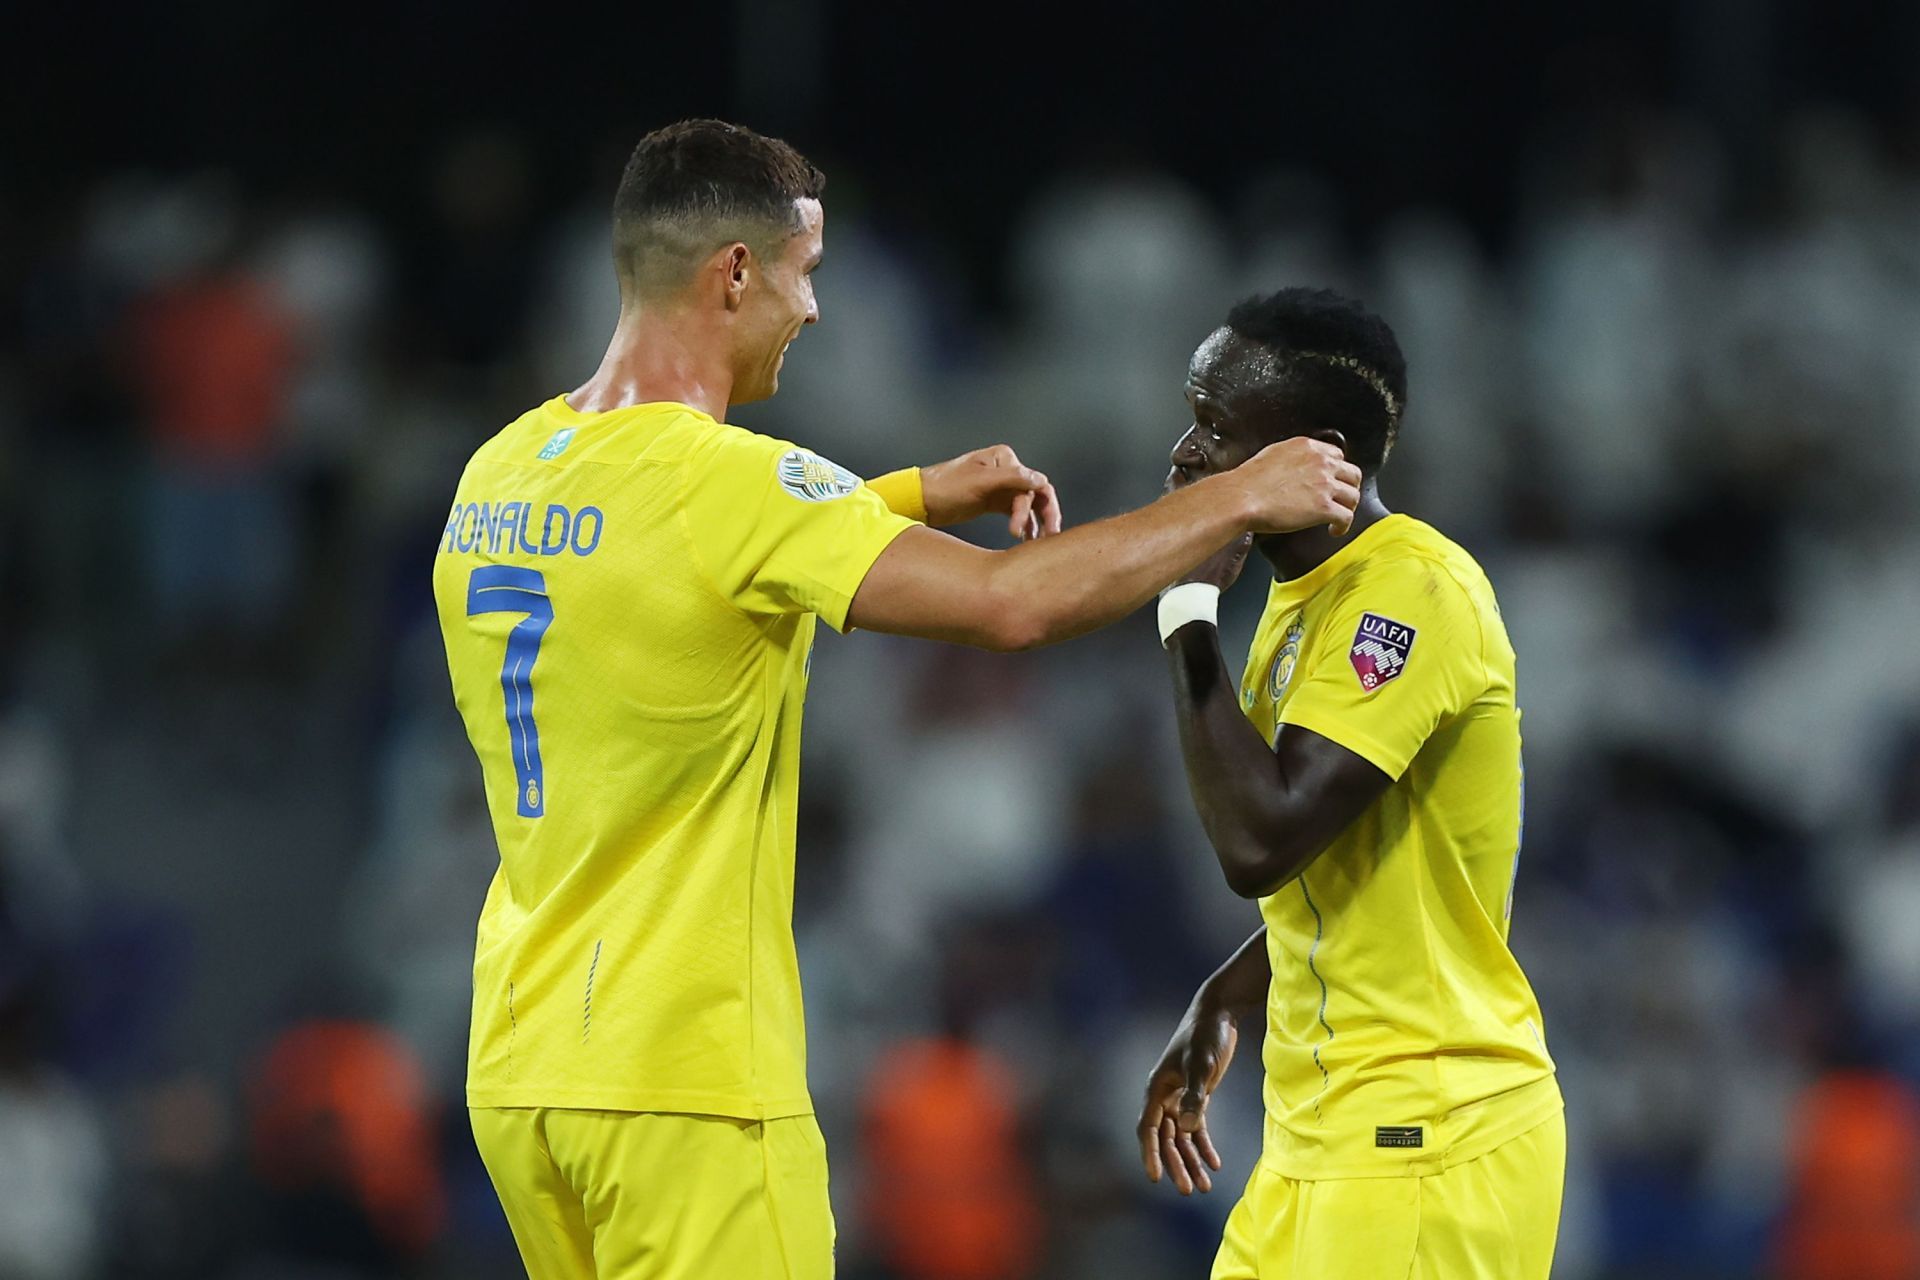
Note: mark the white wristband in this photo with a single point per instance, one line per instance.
(1188, 602)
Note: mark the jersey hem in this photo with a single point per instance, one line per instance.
(676, 1101)
(843, 601)
(1334, 730)
(1530, 1105)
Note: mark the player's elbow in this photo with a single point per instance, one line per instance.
(1014, 627)
(1254, 864)
(1012, 619)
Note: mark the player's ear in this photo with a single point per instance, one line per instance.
(734, 261)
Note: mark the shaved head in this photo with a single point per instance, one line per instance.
(697, 186)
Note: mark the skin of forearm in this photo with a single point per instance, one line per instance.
(1240, 985)
(1243, 802)
(1083, 579)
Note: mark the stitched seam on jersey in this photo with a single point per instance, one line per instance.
(700, 568)
(1319, 931)
(586, 1008)
(1433, 968)
(1479, 625)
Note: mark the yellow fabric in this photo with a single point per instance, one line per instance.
(1494, 1218)
(622, 1195)
(641, 753)
(1395, 1003)
(903, 491)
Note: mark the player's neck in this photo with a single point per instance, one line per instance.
(658, 356)
(1300, 552)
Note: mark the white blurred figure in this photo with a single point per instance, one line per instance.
(1289, 223)
(1119, 274)
(1878, 884)
(859, 380)
(54, 1165)
(1435, 289)
(577, 300)
(53, 1181)
(1612, 284)
(328, 268)
(1816, 331)
(963, 813)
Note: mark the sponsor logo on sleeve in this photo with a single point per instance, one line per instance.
(1380, 649)
(811, 478)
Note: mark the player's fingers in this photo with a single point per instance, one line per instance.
(1196, 1167)
(1170, 1156)
(1204, 1140)
(1148, 1131)
(1046, 504)
(1346, 473)
(1020, 514)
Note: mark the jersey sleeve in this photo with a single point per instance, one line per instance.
(1399, 652)
(780, 529)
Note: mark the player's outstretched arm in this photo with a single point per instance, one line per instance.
(1267, 813)
(931, 585)
(1173, 1120)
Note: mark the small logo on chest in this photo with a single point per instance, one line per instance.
(1284, 662)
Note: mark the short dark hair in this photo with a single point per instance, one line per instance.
(1337, 366)
(691, 187)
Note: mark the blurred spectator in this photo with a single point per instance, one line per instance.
(342, 1137)
(54, 1177)
(213, 355)
(1854, 1208)
(950, 1187)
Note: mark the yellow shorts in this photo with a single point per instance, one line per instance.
(1495, 1218)
(623, 1195)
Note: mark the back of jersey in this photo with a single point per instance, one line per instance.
(627, 600)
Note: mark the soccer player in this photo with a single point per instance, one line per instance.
(627, 587)
(1364, 785)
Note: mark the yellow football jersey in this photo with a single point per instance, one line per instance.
(1402, 1037)
(628, 603)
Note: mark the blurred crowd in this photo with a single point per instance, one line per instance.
(1673, 410)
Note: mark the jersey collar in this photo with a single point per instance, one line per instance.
(1363, 544)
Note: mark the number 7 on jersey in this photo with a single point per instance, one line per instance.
(505, 588)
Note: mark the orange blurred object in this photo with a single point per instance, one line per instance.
(343, 1105)
(1854, 1207)
(215, 370)
(950, 1196)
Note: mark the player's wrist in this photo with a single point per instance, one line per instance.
(1187, 603)
(904, 491)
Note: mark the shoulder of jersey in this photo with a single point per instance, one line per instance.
(1415, 543)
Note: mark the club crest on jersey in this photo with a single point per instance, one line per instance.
(811, 478)
(1380, 649)
(1283, 662)
(557, 445)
